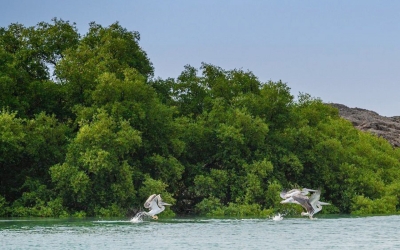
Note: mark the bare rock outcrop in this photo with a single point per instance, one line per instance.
(366, 120)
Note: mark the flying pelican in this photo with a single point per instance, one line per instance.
(311, 204)
(156, 205)
(305, 191)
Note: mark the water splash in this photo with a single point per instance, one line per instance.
(138, 217)
(278, 217)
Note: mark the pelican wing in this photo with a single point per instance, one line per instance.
(304, 202)
(315, 197)
(150, 201)
(288, 200)
(283, 194)
(286, 194)
(293, 192)
(159, 201)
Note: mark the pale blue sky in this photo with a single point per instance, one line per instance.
(341, 51)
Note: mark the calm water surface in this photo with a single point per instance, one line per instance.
(377, 232)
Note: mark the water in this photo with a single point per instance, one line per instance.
(375, 232)
(139, 217)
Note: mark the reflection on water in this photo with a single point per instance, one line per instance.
(332, 232)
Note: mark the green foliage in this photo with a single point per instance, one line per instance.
(363, 205)
(3, 206)
(112, 210)
(86, 131)
(79, 214)
(28, 148)
(29, 55)
(93, 176)
(209, 206)
(255, 187)
(37, 202)
(168, 170)
(215, 184)
(272, 196)
(12, 137)
(112, 49)
(189, 93)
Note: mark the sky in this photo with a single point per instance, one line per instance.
(340, 51)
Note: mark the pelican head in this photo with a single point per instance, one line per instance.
(306, 191)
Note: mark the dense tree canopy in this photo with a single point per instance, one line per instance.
(86, 130)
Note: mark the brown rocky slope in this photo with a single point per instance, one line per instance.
(370, 121)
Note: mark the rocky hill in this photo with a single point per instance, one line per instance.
(366, 120)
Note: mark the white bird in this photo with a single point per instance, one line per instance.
(311, 204)
(156, 205)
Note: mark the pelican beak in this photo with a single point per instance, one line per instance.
(166, 204)
(288, 200)
(312, 190)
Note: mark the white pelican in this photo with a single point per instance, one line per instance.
(312, 204)
(156, 205)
